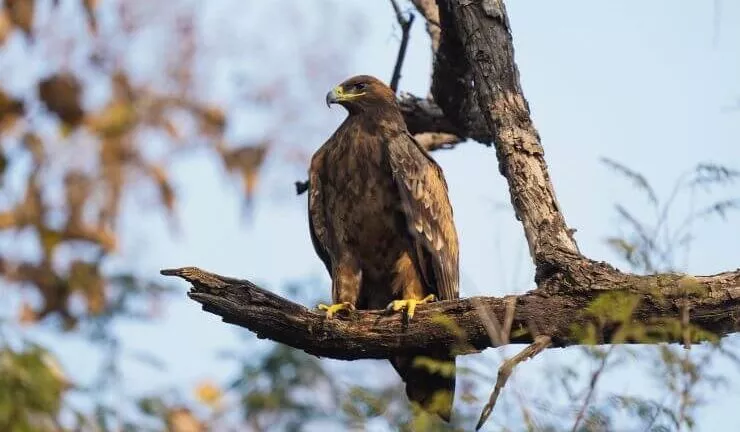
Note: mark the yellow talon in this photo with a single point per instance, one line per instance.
(409, 305)
(332, 309)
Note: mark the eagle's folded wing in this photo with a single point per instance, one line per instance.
(428, 212)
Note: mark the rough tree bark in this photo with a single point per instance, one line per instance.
(475, 62)
(714, 302)
(484, 28)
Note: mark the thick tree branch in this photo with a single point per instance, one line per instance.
(714, 305)
(481, 31)
(452, 84)
(423, 115)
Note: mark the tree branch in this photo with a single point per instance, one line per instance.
(405, 24)
(437, 141)
(423, 115)
(452, 83)
(485, 46)
(592, 388)
(504, 372)
(714, 305)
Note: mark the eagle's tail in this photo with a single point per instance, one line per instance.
(430, 382)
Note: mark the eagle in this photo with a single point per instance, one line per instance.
(381, 221)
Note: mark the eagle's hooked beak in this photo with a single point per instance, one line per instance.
(333, 96)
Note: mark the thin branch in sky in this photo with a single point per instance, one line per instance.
(540, 343)
(405, 24)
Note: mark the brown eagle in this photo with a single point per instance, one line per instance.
(381, 221)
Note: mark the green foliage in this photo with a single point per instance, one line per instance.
(31, 389)
(653, 248)
(441, 367)
(613, 306)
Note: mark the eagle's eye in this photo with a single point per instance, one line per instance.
(359, 86)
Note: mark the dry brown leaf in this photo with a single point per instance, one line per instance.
(27, 315)
(61, 94)
(35, 146)
(90, 6)
(6, 26)
(77, 189)
(182, 420)
(122, 89)
(86, 279)
(171, 129)
(32, 209)
(246, 161)
(49, 239)
(212, 121)
(166, 191)
(10, 111)
(21, 14)
(4, 163)
(8, 219)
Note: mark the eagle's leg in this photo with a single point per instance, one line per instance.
(336, 307)
(345, 287)
(409, 305)
(407, 284)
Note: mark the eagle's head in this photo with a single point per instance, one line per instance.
(362, 93)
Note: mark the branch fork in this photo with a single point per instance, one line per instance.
(475, 45)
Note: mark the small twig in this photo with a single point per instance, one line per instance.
(591, 388)
(540, 343)
(301, 187)
(509, 317)
(405, 24)
(491, 324)
(499, 334)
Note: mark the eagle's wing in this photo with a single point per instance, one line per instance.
(316, 215)
(428, 212)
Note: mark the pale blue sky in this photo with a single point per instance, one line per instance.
(645, 83)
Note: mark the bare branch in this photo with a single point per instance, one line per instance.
(499, 334)
(437, 141)
(377, 334)
(540, 343)
(591, 388)
(405, 24)
(423, 115)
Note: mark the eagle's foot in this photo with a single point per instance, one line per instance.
(409, 305)
(332, 309)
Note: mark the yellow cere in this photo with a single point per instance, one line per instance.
(341, 95)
